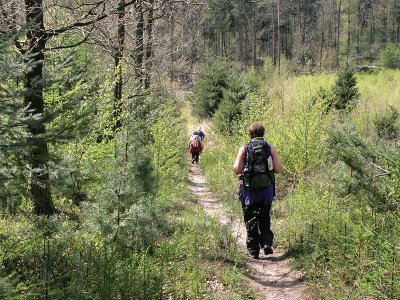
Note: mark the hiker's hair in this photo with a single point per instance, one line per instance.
(194, 132)
(256, 130)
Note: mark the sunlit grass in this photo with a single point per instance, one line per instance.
(330, 235)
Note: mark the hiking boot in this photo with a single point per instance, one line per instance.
(253, 255)
(268, 250)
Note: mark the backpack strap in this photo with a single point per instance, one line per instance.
(245, 153)
(270, 172)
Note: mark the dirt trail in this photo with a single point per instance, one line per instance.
(271, 276)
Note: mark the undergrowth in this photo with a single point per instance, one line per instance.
(136, 234)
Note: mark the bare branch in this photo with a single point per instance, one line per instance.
(82, 23)
(85, 38)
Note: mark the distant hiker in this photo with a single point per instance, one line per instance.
(195, 147)
(201, 134)
(256, 162)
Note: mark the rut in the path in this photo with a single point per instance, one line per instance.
(270, 276)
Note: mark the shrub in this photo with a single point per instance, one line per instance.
(268, 67)
(345, 90)
(386, 125)
(229, 110)
(252, 80)
(325, 98)
(208, 90)
(390, 57)
(5, 288)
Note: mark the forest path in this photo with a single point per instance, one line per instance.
(270, 276)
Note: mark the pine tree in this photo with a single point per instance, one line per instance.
(14, 119)
(375, 172)
(33, 39)
(345, 91)
(209, 88)
(229, 110)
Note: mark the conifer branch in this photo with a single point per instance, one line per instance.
(386, 172)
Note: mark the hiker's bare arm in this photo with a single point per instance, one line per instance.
(239, 163)
(275, 160)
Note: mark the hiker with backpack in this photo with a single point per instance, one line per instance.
(256, 163)
(195, 147)
(201, 134)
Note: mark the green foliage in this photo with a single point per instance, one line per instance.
(220, 13)
(252, 80)
(253, 109)
(14, 119)
(229, 111)
(5, 288)
(387, 125)
(345, 91)
(68, 101)
(217, 163)
(324, 98)
(81, 262)
(227, 114)
(268, 67)
(342, 96)
(168, 144)
(338, 195)
(374, 171)
(208, 90)
(302, 145)
(390, 56)
(133, 231)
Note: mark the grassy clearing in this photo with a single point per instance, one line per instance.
(347, 247)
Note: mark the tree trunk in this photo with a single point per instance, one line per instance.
(348, 32)
(304, 22)
(246, 56)
(338, 33)
(223, 44)
(240, 46)
(279, 36)
(171, 29)
(118, 65)
(334, 25)
(372, 27)
(254, 35)
(149, 46)
(139, 43)
(358, 27)
(273, 39)
(321, 45)
(398, 34)
(39, 186)
(394, 26)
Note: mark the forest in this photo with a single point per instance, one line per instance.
(98, 99)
